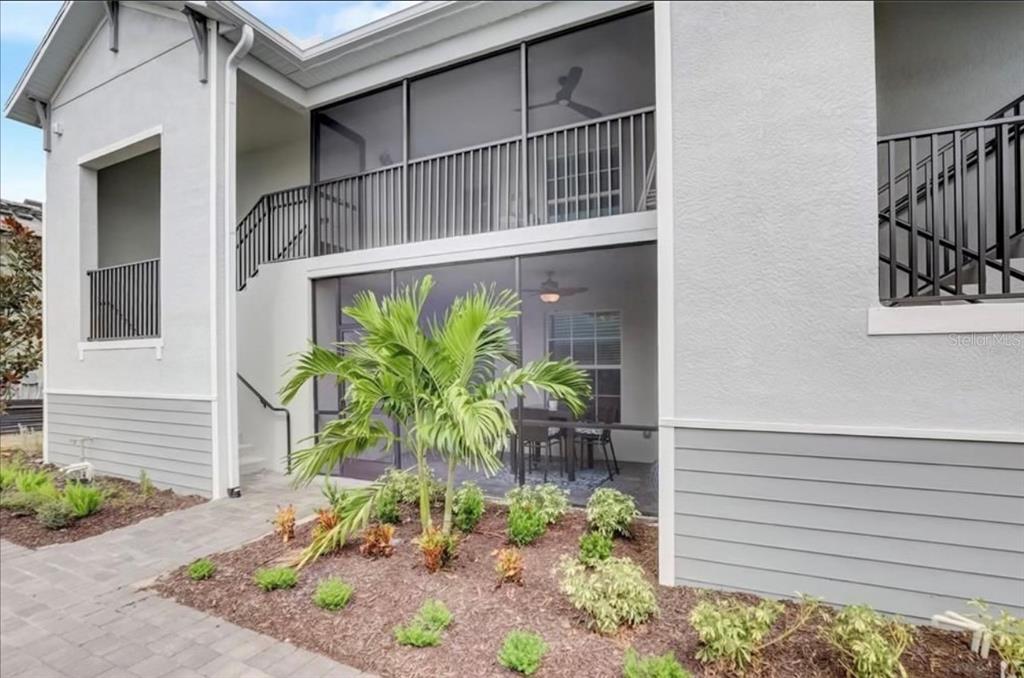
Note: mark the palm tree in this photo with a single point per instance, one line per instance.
(448, 387)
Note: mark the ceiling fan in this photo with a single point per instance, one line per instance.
(563, 97)
(550, 291)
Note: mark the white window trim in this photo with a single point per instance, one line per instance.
(991, 317)
(156, 344)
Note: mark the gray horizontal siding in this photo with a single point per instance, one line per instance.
(910, 526)
(169, 439)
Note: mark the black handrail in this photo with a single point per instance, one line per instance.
(970, 160)
(1014, 106)
(287, 419)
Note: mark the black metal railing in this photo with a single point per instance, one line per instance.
(281, 410)
(598, 167)
(950, 212)
(124, 301)
(275, 229)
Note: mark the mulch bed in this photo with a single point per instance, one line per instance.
(389, 591)
(124, 505)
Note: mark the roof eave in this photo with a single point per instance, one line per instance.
(19, 90)
(300, 58)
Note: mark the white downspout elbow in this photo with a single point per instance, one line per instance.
(230, 381)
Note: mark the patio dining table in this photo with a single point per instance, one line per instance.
(535, 416)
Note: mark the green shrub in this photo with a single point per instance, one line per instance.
(272, 578)
(84, 500)
(549, 500)
(525, 524)
(1007, 635)
(613, 593)
(522, 651)
(434, 614)
(405, 486)
(595, 547)
(32, 481)
(332, 594)
(201, 569)
(8, 472)
(146, 487)
(22, 503)
(611, 512)
(871, 644)
(417, 636)
(54, 514)
(653, 666)
(387, 508)
(424, 630)
(731, 632)
(467, 506)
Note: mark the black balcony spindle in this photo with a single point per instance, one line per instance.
(959, 217)
(982, 212)
(124, 301)
(936, 217)
(912, 280)
(1002, 227)
(891, 162)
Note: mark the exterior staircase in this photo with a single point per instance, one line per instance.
(950, 212)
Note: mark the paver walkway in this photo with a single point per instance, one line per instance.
(76, 611)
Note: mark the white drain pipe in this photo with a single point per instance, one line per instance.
(230, 394)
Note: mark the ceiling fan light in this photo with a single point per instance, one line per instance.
(550, 297)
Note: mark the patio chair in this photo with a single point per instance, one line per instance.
(590, 437)
(538, 439)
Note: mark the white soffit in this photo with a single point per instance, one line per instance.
(416, 27)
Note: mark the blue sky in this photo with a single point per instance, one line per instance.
(23, 24)
(307, 23)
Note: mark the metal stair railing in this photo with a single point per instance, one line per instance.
(950, 228)
(276, 408)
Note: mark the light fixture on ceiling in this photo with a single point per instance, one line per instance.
(551, 293)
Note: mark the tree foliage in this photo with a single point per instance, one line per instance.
(21, 306)
(446, 381)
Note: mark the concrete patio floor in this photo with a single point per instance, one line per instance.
(76, 610)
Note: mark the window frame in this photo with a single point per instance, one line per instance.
(594, 366)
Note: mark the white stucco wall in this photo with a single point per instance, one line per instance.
(128, 210)
(944, 63)
(274, 322)
(776, 236)
(108, 97)
(273, 145)
(270, 169)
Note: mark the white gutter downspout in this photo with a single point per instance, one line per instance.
(230, 393)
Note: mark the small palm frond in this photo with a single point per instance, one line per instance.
(475, 334)
(354, 509)
(316, 361)
(468, 428)
(560, 379)
(339, 440)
